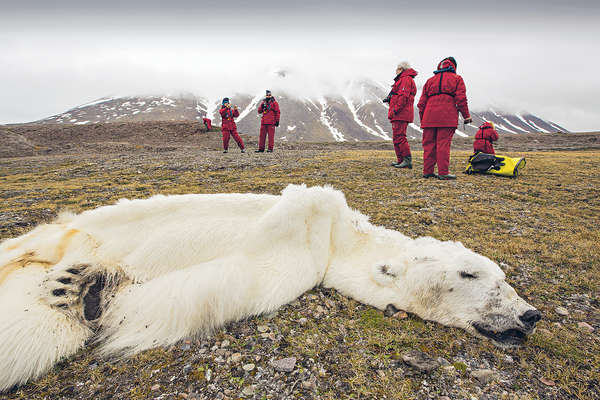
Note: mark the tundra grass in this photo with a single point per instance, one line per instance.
(542, 228)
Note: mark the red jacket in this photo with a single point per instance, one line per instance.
(228, 115)
(403, 97)
(443, 96)
(271, 113)
(484, 138)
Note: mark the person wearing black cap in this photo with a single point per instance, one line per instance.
(270, 119)
(443, 97)
(228, 126)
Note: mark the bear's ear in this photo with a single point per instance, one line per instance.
(383, 274)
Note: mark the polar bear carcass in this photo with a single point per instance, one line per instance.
(146, 273)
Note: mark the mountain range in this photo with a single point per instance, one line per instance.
(355, 114)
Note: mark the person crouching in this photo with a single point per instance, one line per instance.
(401, 112)
(228, 126)
(485, 138)
(269, 120)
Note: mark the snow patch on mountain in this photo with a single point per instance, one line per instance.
(353, 110)
(337, 135)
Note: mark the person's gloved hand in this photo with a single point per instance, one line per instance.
(468, 120)
(277, 123)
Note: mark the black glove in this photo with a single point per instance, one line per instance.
(468, 121)
(277, 123)
(386, 100)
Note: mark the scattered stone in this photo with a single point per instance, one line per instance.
(420, 361)
(547, 382)
(444, 398)
(182, 395)
(248, 391)
(155, 387)
(187, 368)
(248, 367)
(442, 361)
(236, 357)
(381, 373)
(284, 364)
(584, 326)
(310, 383)
(262, 328)
(303, 321)
(563, 312)
(484, 376)
(320, 310)
(508, 359)
(225, 344)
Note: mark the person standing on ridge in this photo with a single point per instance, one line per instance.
(485, 138)
(228, 126)
(401, 112)
(444, 96)
(270, 119)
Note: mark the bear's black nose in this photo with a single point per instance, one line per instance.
(531, 317)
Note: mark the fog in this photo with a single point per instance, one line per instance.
(538, 57)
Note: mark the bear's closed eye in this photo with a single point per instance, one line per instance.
(467, 275)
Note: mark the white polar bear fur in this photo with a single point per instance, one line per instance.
(184, 265)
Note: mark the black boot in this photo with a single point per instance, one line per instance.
(447, 177)
(243, 151)
(225, 151)
(427, 176)
(406, 163)
(270, 151)
(259, 151)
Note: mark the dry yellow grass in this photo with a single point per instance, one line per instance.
(542, 226)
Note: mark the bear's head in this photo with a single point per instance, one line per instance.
(447, 283)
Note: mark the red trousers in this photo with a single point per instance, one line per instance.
(236, 137)
(207, 123)
(401, 146)
(264, 129)
(436, 149)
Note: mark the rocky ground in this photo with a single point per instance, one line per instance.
(541, 228)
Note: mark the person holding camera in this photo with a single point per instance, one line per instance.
(270, 119)
(228, 126)
(401, 112)
(444, 96)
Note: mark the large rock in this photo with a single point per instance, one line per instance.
(420, 361)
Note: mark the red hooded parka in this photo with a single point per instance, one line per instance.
(403, 97)
(484, 139)
(270, 112)
(443, 96)
(229, 128)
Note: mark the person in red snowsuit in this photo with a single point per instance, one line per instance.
(401, 112)
(484, 138)
(270, 119)
(228, 126)
(444, 96)
(207, 123)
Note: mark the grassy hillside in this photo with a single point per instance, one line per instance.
(542, 228)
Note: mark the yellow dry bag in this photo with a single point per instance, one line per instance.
(483, 163)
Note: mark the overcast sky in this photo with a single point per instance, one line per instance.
(539, 56)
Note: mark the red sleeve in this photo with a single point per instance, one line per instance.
(260, 107)
(222, 111)
(404, 91)
(236, 113)
(276, 110)
(461, 98)
(423, 101)
(493, 135)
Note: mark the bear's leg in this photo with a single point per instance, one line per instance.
(37, 327)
